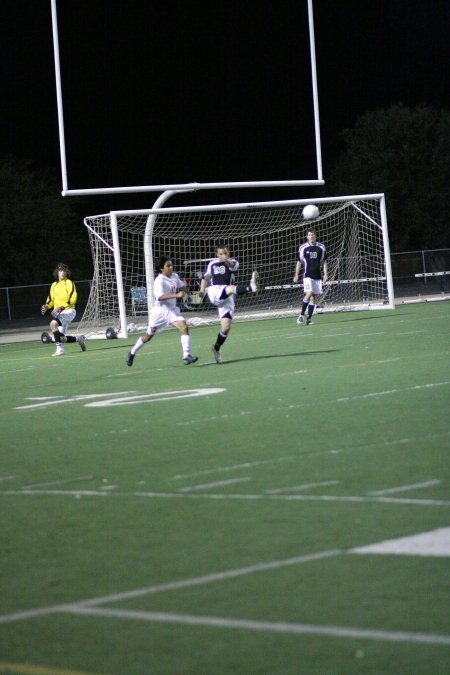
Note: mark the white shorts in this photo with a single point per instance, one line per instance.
(66, 317)
(224, 306)
(163, 317)
(313, 286)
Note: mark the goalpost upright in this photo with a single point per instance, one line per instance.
(263, 235)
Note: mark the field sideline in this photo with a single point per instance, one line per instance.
(285, 512)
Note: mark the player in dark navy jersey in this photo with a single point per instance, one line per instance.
(312, 256)
(219, 283)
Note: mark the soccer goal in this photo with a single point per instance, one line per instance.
(263, 236)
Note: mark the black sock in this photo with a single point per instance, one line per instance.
(304, 306)
(241, 289)
(221, 337)
(71, 338)
(311, 309)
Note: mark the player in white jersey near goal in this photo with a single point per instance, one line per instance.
(219, 283)
(312, 255)
(167, 289)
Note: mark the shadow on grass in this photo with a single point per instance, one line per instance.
(267, 356)
(365, 318)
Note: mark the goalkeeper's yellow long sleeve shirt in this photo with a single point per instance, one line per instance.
(62, 294)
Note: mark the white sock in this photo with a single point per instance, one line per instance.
(186, 345)
(137, 346)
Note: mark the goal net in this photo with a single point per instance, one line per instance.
(263, 236)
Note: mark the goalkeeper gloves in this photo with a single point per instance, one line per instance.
(57, 311)
(44, 308)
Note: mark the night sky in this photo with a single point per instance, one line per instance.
(177, 92)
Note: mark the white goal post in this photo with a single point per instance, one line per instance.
(263, 236)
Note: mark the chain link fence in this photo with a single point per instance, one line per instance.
(24, 302)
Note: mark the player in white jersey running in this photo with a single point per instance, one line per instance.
(312, 256)
(167, 289)
(220, 274)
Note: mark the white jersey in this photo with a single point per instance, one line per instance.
(165, 285)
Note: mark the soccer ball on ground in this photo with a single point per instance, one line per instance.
(45, 338)
(111, 334)
(310, 212)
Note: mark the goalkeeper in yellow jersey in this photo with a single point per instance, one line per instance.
(61, 301)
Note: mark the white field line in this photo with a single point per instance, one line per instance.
(248, 465)
(235, 497)
(411, 332)
(296, 406)
(73, 493)
(280, 627)
(2, 478)
(232, 467)
(26, 669)
(406, 488)
(334, 335)
(305, 486)
(221, 483)
(172, 585)
(90, 607)
(313, 498)
(57, 482)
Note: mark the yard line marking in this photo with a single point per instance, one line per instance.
(383, 332)
(29, 614)
(405, 488)
(312, 498)
(334, 335)
(69, 493)
(57, 482)
(208, 578)
(346, 632)
(26, 669)
(221, 483)
(296, 406)
(305, 486)
(232, 467)
(2, 478)
(411, 332)
(171, 585)
(392, 391)
(234, 496)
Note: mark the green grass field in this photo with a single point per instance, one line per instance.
(203, 519)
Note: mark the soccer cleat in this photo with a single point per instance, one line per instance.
(254, 282)
(130, 359)
(82, 342)
(190, 359)
(216, 353)
(300, 319)
(59, 351)
(309, 321)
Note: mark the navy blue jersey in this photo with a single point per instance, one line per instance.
(219, 274)
(311, 258)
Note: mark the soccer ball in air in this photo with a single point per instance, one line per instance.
(111, 334)
(310, 212)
